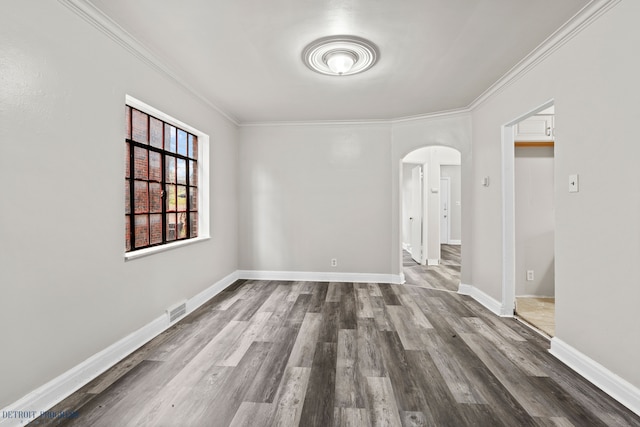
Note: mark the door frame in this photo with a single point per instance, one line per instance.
(447, 179)
(507, 308)
(417, 214)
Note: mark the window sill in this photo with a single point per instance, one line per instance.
(157, 249)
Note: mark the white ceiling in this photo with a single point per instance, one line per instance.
(244, 56)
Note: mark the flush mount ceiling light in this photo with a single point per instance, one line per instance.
(340, 55)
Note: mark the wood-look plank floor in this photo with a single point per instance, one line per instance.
(342, 354)
(445, 276)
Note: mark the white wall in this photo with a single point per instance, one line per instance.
(535, 220)
(593, 79)
(455, 209)
(310, 193)
(66, 291)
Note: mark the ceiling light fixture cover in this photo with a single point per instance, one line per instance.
(340, 55)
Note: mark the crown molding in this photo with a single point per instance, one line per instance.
(91, 14)
(316, 123)
(581, 20)
(428, 116)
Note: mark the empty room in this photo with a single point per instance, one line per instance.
(323, 213)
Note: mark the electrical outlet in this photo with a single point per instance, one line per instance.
(529, 275)
(334, 262)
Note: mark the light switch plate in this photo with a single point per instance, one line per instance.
(573, 183)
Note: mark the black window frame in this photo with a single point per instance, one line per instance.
(190, 159)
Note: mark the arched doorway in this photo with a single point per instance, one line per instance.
(431, 217)
(452, 130)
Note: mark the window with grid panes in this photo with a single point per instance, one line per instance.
(161, 182)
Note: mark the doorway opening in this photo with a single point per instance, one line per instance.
(528, 155)
(432, 217)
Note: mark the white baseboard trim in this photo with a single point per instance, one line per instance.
(308, 276)
(616, 387)
(56, 390)
(486, 300)
(535, 296)
(213, 290)
(455, 242)
(433, 261)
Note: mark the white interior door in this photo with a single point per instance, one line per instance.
(416, 214)
(445, 209)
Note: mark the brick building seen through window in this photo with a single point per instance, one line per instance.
(161, 182)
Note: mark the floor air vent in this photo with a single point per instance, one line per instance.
(177, 311)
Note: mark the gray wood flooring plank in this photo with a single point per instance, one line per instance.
(252, 414)
(537, 405)
(318, 402)
(223, 408)
(334, 292)
(451, 369)
(330, 322)
(294, 291)
(307, 287)
(236, 350)
(291, 396)
(277, 299)
(381, 314)
(388, 295)
(351, 417)
(554, 422)
(412, 336)
(271, 328)
(374, 290)
(185, 344)
(383, 410)
(251, 302)
(185, 398)
(370, 360)
(318, 297)
(350, 391)
(298, 310)
(417, 315)
(363, 303)
(564, 405)
(516, 356)
(442, 407)
(348, 307)
(267, 379)
(305, 345)
(409, 396)
(414, 419)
